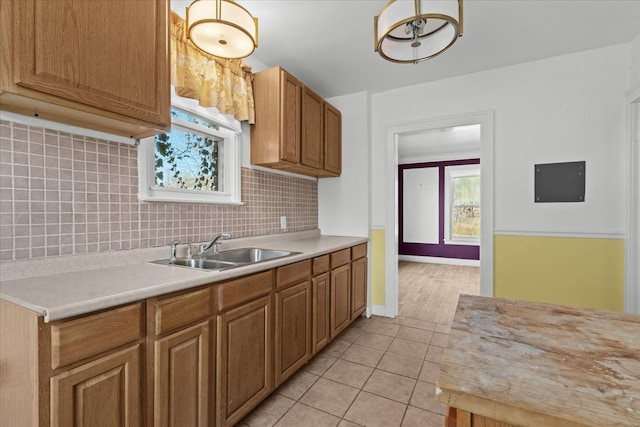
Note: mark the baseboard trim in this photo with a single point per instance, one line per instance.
(378, 310)
(437, 260)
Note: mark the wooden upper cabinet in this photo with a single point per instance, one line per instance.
(332, 139)
(291, 131)
(100, 64)
(290, 112)
(312, 144)
(276, 141)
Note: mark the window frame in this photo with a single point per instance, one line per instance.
(230, 153)
(451, 172)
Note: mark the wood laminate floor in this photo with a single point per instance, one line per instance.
(379, 371)
(430, 291)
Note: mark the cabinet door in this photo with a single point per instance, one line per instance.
(244, 363)
(358, 287)
(293, 330)
(290, 115)
(321, 311)
(312, 140)
(332, 139)
(340, 299)
(181, 378)
(107, 54)
(105, 392)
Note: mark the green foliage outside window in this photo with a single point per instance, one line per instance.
(466, 207)
(187, 159)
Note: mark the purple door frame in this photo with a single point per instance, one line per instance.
(439, 250)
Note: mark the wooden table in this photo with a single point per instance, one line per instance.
(521, 363)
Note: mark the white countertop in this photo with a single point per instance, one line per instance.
(67, 294)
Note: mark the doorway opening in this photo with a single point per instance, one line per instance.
(395, 134)
(439, 221)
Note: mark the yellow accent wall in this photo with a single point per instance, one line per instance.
(377, 267)
(579, 272)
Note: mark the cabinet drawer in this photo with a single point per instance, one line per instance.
(359, 251)
(181, 310)
(293, 273)
(77, 339)
(239, 291)
(320, 264)
(340, 258)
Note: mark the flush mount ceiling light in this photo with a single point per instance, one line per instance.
(222, 28)
(413, 31)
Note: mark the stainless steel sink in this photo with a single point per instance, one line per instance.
(247, 255)
(227, 259)
(197, 262)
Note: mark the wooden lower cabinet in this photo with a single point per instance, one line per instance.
(105, 392)
(321, 308)
(293, 330)
(181, 378)
(358, 287)
(180, 362)
(244, 368)
(154, 363)
(340, 299)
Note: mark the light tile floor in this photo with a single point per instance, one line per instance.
(378, 372)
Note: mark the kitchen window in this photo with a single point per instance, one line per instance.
(462, 209)
(197, 161)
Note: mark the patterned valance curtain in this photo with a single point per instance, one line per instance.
(225, 84)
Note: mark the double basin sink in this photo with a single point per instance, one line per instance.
(227, 259)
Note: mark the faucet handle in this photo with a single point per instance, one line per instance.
(202, 248)
(189, 251)
(174, 249)
(221, 236)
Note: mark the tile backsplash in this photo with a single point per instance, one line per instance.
(63, 194)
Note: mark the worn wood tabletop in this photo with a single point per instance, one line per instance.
(534, 364)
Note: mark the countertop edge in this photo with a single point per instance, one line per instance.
(191, 278)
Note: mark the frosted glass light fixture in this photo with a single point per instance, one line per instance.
(410, 31)
(222, 28)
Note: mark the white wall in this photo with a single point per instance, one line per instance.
(420, 205)
(635, 62)
(566, 108)
(343, 202)
(439, 157)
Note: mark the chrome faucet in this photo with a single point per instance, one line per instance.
(174, 249)
(214, 243)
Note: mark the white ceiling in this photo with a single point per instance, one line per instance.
(328, 44)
